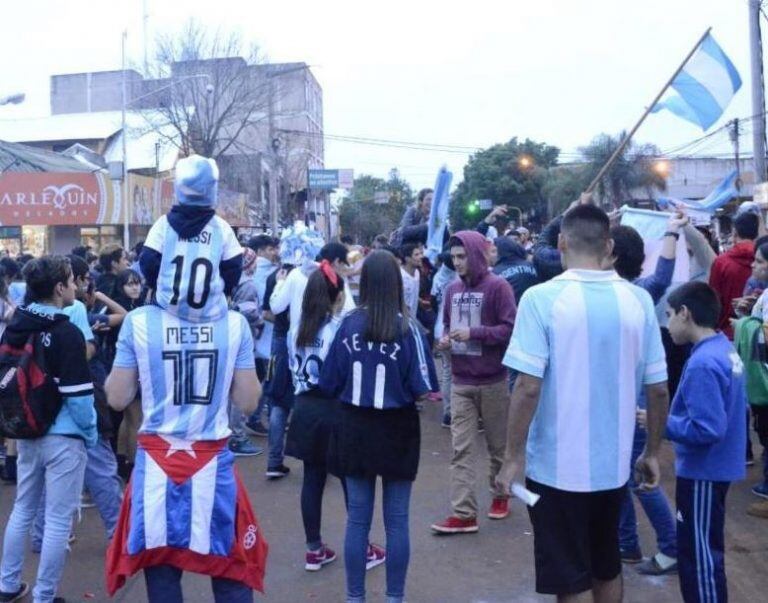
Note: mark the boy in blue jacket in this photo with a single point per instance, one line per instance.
(706, 424)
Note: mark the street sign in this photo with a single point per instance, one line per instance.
(324, 179)
(381, 197)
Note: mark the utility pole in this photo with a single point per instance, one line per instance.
(758, 90)
(734, 133)
(124, 137)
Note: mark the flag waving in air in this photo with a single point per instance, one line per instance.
(438, 214)
(705, 85)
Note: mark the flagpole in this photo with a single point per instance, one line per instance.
(620, 149)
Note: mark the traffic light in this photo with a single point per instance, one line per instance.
(473, 207)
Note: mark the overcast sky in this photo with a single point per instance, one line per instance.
(470, 74)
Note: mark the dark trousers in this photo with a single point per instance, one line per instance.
(312, 489)
(164, 586)
(760, 419)
(700, 540)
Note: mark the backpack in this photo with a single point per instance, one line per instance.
(29, 397)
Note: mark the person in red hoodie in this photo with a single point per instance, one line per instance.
(478, 317)
(731, 271)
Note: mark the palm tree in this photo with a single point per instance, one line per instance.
(633, 169)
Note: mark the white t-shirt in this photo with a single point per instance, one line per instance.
(411, 291)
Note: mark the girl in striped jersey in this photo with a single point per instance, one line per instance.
(314, 414)
(378, 366)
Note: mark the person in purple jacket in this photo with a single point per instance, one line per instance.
(478, 317)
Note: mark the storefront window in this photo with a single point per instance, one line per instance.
(34, 239)
(99, 236)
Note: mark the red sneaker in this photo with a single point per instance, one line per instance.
(455, 525)
(315, 560)
(499, 508)
(376, 555)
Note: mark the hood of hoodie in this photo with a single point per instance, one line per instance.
(742, 253)
(475, 245)
(508, 250)
(26, 321)
(189, 220)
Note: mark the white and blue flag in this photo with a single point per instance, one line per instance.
(720, 196)
(438, 214)
(705, 86)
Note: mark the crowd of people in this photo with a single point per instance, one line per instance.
(131, 380)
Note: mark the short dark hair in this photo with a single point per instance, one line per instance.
(406, 250)
(423, 193)
(79, 266)
(43, 274)
(110, 253)
(11, 267)
(761, 245)
(261, 241)
(334, 251)
(81, 250)
(747, 226)
(700, 299)
(586, 229)
(347, 240)
(629, 251)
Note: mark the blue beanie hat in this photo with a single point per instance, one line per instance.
(197, 181)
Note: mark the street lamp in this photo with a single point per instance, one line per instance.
(208, 89)
(13, 99)
(525, 162)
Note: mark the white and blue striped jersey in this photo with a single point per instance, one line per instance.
(594, 340)
(189, 283)
(307, 361)
(377, 374)
(185, 369)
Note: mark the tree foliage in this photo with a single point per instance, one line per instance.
(511, 173)
(362, 218)
(632, 171)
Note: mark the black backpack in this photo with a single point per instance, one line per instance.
(29, 397)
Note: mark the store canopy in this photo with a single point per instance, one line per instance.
(23, 158)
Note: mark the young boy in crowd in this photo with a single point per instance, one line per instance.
(706, 424)
(191, 257)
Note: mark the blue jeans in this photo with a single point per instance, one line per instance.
(237, 423)
(361, 493)
(656, 508)
(164, 586)
(55, 464)
(261, 372)
(278, 417)
(101, 481)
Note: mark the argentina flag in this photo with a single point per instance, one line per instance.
(438, 214)
(705, 85)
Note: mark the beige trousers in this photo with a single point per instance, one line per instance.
(468, 404)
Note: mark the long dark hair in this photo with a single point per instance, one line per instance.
(381, 296)
(123, 279)
(323, 289)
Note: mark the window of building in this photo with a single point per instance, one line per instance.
(99, 236)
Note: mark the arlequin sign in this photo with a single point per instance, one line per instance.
(46, 198)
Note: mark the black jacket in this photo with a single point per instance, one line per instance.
(513, 266)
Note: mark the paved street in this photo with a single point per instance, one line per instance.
(494, 566)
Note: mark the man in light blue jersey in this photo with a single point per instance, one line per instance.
(191, 258)
(584, 344)
(185, 508)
